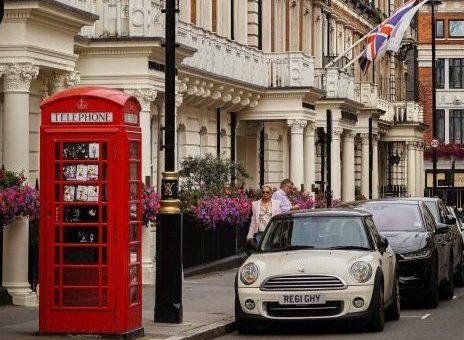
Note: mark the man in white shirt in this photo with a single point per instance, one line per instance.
(286, 187)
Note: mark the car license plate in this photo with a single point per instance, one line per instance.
(302, 299)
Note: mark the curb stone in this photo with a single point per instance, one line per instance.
(206, 332)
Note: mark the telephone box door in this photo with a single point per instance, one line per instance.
(80, 231)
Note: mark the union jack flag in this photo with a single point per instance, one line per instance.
(377, 38)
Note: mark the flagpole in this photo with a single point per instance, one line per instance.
(346, 51)
(352, 61)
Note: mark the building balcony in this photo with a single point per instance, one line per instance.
(336, 83)
(366, 93)
(402, 111)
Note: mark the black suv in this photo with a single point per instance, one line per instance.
(422, 260)
(452, 240)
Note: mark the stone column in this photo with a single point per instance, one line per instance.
(16, 85)
(335, 163)
(348, 167)
(296, 148)
(145, 98)
(365, 164)
(318, 36)
(411, 168)
(309, 157)
(62, 81)
(418, 170)
(375, 167)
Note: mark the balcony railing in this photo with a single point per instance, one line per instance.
(336, 83)
(366, 93)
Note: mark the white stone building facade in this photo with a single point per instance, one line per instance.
(257, 62)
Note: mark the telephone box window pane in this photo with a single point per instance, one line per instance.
(80, 276)
(104, 257)
(80, 235)
(104, 215)
(80, 297)
(134, 294)
(57, 276)
(57, 150)
(133, 171)
(80, 255)
(56, 297)
(104, 298)
(85, 214)
(134, 150)
(57, 172)
(133, 275)
(57, 235)
(70, 172)
(57, 193)
(104, 151)
(57, 255)
(133, 211)
(104, 172)
(104, 193)
(104, 276)
(81, 150)
(104, 233)
(133, 253)
(133, 232)
(134, 191)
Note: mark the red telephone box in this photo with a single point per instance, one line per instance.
(90, 220)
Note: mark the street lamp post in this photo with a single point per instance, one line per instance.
(168, 291)
(432, 4)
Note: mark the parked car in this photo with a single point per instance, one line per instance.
(418, 243)
(452, 239)
(460, 224)
(318, 265)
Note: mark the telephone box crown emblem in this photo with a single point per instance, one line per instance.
(82, 104)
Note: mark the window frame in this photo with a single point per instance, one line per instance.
(440, 69)
(449, 28)
(456, 116)
(452, 66)
(441, 133)
(442, 35)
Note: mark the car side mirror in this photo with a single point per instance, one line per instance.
(441, 228)
(383, 243)
(251, 246)
(450, 219)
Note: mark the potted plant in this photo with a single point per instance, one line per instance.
(150, 204)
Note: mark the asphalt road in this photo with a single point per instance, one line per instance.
(444, 323)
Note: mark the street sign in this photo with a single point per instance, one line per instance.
(434, 143)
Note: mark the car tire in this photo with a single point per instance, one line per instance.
(432, 296)
(459, 275)
(377, 317)
(448, 286)
(243, 325)
(394, 310)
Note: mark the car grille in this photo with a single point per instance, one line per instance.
(330, 308)
(302, 282)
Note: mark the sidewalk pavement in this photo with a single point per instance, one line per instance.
(208, 312)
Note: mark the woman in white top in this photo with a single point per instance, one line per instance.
(262, 211)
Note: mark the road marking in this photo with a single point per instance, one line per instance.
(425, 316)
(454, 297)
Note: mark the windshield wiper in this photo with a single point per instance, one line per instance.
(294, 248)
(349, 248)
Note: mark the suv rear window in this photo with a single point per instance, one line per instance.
(395, 216)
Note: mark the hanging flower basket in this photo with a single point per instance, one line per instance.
(16, 198)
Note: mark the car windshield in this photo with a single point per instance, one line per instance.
(316, 232)
(395, 216)
(433, 207)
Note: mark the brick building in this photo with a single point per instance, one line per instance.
(449, 95)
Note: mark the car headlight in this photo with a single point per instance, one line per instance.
(420, 254)
(249, 273)
(361, 271)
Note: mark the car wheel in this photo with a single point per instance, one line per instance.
(432, 297)
(393, 311)
(459, 276)
(448, 286)
(377, 318)
(243, 325)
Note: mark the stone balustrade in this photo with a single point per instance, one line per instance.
(404, 111)
(366, 93)
(336, 83)
(290, 69)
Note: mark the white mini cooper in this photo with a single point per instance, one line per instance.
(318, 265)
